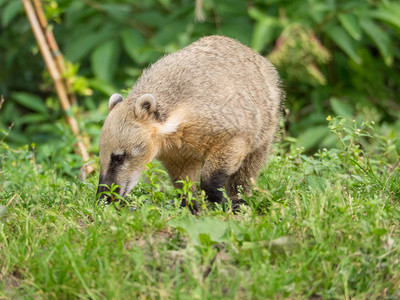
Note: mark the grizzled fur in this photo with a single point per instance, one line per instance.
(209, 111)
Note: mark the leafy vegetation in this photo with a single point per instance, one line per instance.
(323, 227)
(339, 57)
(323, 219)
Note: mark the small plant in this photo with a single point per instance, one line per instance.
(186, 192)
(112, 192)
(153, 183)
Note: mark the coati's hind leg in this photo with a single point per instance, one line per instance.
(219, 166)
(249, 169)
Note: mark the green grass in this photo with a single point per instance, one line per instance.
(322, 226)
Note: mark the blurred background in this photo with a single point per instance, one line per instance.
(336, 58)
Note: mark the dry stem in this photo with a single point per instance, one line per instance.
(57, 78)
(54, 47)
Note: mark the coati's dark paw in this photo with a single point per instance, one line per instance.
(236, 203)
(194, 206)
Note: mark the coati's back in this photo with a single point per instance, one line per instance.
(220, 81)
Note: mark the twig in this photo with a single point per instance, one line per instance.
(253, 184)
(54, 47)
(199, 13)
(56, 76)
(392, 168)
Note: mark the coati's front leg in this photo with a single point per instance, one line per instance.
(212, 183)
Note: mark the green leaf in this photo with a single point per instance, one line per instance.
(311, 137)
(148, 55)
(104, 60)
(81, 46)
(340, 108)
(350, 23)
(33, 118)
(263, 33)
(152, 18)
(10, 12)
(75, 13)
(388, 12)
(344, 41)
(132, 40)
(204, 230)
(118, 12)
(379, 231)
(30, 101)
(168, 34)
(238, 28)
(102, 86)
(256, 14)
(351, 5)
(225, 8)
(133, 43)
(52, 213)
(381, 39)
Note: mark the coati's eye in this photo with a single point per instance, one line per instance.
(118, 158)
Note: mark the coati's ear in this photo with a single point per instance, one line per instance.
(145, 105)
(114, 100)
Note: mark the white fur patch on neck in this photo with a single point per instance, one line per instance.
(171, 125)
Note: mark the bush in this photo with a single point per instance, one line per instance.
(337, 57)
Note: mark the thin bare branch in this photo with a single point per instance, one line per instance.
(54, 47)
(57, 78)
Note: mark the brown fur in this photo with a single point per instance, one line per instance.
(215, 114)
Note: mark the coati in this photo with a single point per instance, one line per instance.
(209, 111)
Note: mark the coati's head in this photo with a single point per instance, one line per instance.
(130, 138)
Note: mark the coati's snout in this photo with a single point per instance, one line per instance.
(121, 169)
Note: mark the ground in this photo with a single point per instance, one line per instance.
(322, 226)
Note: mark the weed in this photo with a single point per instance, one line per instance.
(321, 226)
